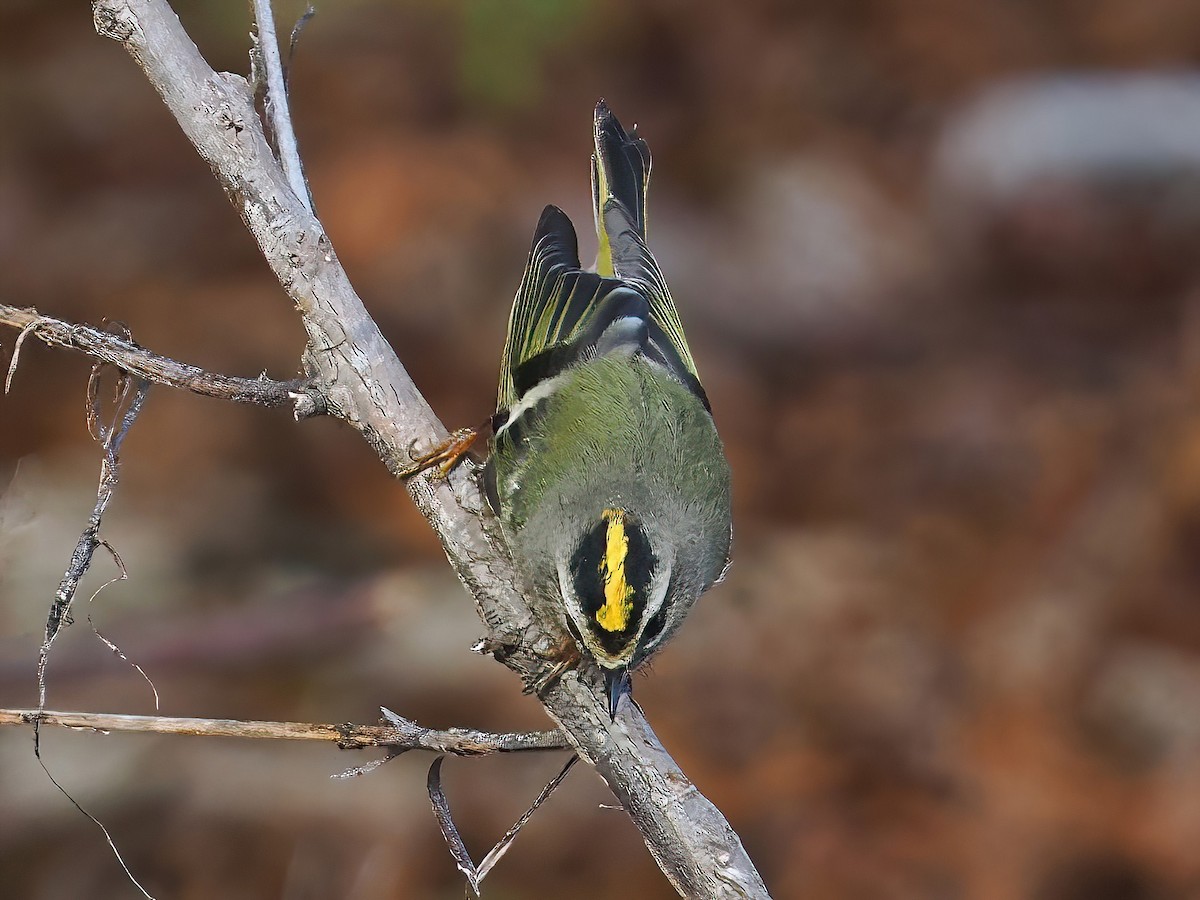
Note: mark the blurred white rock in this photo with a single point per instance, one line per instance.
(1088, 178)
(809, 250)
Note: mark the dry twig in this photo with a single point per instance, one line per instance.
(127, 356)
(278, 113)
(396, 732)
(458, 849)
(130, 395)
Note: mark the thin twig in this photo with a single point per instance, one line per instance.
(127, 356)
(131, 395)
(398, 733)
(16, 355)
(277, 103)
(122, 575)
(450, 834)
(497, 852)
(297, 29)
(454, 842)
(108, 838)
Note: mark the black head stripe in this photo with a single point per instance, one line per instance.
(611, 569)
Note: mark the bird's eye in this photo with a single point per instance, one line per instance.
(655, 626)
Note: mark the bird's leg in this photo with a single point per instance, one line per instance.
(446, 455)
(558, 660)
(564, 657)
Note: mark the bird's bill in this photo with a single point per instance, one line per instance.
(617, 681)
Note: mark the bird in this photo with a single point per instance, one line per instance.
(605, 467)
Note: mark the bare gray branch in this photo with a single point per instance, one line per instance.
(362, 382)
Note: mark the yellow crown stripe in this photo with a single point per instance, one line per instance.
(618, 595)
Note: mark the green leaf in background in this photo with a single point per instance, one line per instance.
(505, 43)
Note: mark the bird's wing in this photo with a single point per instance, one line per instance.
(563, 315)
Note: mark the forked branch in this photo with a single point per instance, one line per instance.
(353, 374)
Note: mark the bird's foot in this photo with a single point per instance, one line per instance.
(564, 657)
(445, 456)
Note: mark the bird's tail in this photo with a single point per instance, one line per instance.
(620, 176)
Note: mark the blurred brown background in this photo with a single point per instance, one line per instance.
(938, 264)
